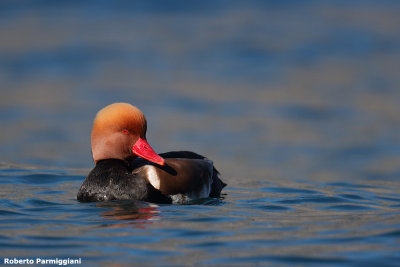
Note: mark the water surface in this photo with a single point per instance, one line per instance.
(258, 223)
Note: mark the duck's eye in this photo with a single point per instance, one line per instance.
(125, 131)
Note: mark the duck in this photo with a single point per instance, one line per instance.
(128, 168)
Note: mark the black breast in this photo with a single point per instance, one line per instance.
(112, 180)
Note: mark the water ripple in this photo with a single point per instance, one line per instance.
(287, 221)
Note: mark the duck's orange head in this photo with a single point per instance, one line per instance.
(119, 132)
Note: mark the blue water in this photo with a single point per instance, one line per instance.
(296, 102)
(262, 223)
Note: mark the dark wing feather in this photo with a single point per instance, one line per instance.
(217, 184)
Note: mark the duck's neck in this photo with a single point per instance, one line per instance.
(111, 163)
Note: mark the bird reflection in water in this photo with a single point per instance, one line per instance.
(129, 213)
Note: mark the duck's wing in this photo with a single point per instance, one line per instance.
(189, 177)
(217, 184)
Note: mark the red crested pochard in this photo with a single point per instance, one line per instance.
(127, 167)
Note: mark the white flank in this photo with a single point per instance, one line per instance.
(152, 176)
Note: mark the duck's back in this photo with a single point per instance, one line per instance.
(216, 183)
(185, 176)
